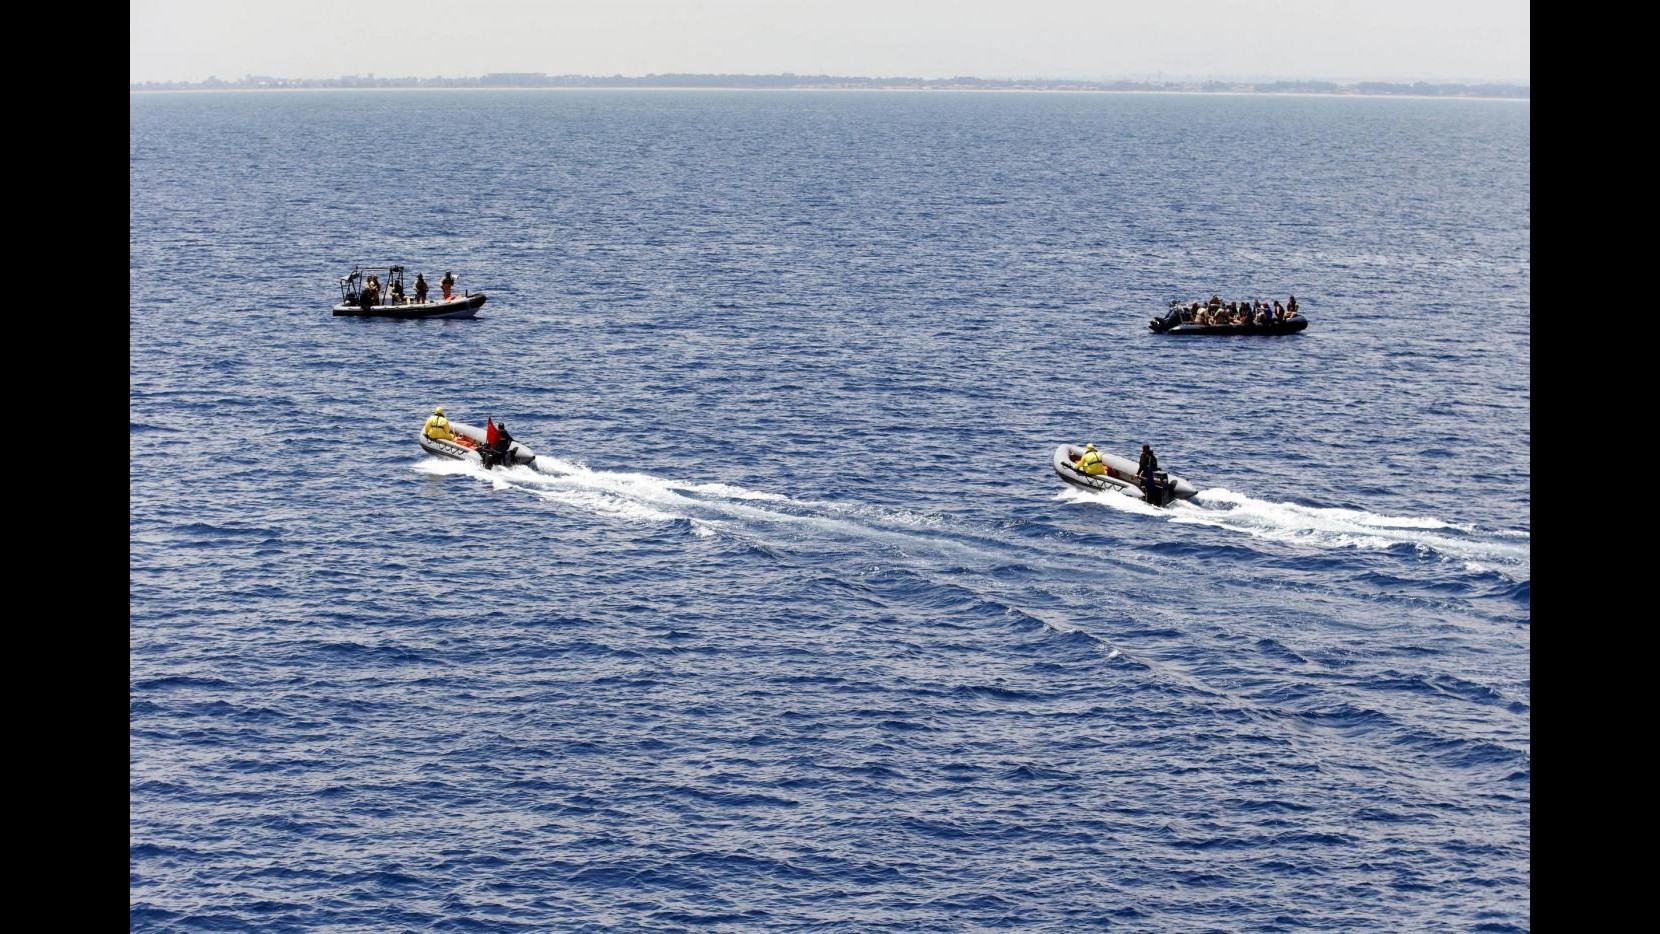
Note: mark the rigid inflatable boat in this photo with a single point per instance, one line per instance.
(365, 296)
(1120, 477)
(466, 444)
(461, 306)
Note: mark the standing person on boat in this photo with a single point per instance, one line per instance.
(438, 427)
(447, 284)
(504, 442)
(420, 289)
(497, 442)
(487, 450)
(397, 291)
(1090, 462)
(1154, 487)
(1149, 463)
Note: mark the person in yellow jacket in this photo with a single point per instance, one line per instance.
(438, 427)
(1090, 462)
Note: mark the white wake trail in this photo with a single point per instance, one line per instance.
(591, 497)
(710, 507)
(1330, 527)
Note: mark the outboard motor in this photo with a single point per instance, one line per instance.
(1171, 318)
(1160, 491)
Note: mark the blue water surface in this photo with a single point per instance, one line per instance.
(792, 625)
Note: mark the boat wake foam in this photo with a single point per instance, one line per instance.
(778, 520)
(711, 508)
(527, 479)
(1506, 552)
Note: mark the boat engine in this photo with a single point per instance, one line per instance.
(1160, 491)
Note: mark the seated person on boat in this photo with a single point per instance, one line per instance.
(1215, 312)
(1090, 462)
(371, 292)
(438, 427)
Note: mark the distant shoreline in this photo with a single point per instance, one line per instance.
(687, 81)
(1347, 95)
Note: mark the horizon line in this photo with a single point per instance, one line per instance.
(823, 77)
(689, 89)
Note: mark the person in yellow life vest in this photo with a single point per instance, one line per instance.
(1090, 462)
(438, 427)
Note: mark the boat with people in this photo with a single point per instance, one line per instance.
(1109, 473)
(490, 446)
(364, 295)
(1219, 317)
(1279, 327)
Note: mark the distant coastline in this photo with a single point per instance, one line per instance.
(790, 82)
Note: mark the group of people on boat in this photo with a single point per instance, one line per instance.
(1157, 487)
(1090, 463)
(371, 291)
(497, 442)
(1216, 311)
(371, 294)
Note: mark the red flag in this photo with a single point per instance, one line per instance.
(490, 431)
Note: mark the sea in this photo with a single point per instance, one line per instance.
(791, 625)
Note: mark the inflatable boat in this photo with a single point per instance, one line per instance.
(461, 306)
(363, 295)
(1172, 323)
(466, 444)
(1120, 477)
(1288, 326)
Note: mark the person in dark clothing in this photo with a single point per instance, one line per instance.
(493, 452)
(504, 442)
(370, 296)
(1148, 474)
(420, 288)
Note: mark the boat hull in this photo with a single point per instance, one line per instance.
(1119, 478)
(462, 451)
(1190, 329)
(463, 306)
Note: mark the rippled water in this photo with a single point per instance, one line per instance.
(792, 624)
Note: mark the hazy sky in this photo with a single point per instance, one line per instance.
(1341, 40)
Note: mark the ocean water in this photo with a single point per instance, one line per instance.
(792, 625)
